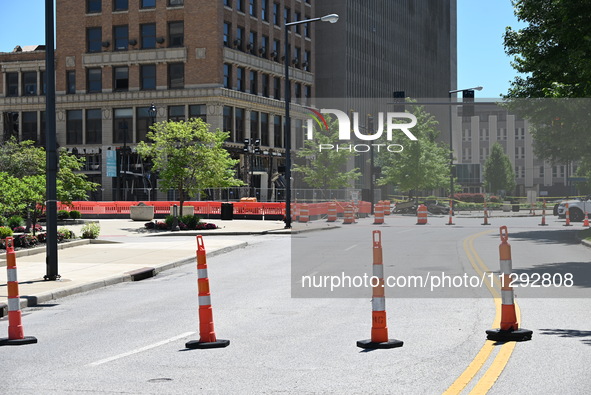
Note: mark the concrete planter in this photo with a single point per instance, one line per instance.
(142, 213)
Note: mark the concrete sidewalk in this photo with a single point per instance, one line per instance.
(124, 251)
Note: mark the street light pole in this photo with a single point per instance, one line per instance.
(332, 18)
(451, 147)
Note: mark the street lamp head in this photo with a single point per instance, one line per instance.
(332, 18)
(478, 88)
(152, 110)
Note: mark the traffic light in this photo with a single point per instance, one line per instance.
(257, 146)
(468, 103)
(246, 144)
(399, 97)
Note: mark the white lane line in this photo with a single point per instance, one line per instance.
(350, 248)
(138, 350)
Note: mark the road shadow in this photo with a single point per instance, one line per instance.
(566, 237)
(569, 333)
(559, 272)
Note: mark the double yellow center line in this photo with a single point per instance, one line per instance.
(488, 378)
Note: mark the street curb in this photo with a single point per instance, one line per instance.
(238, 233)
(33, 300)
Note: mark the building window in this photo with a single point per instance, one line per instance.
(228, 3)
(308, 94)
(176, 76)
(240, 75)
(176, 3)
(94, 37)
(276, 50)
(94, 80)
(265, 10)
(297, 57)
(121, 78)
(276, 87)
(265, 85)
(298, 17)
(29, 83)
(276, 14)
(227, 34)
(264, 129)
(307, 59)
(93, 6)
(466, 135)
(252, 43)
(541, 171)
(122, 121)
(286, 16)
(121, 37)
(74, 127)
(253, 82)
(239, 38)
(198, 111)
(43, 83)
(278, 136)
(176, 34)
(71, 82)
(240, 5)
(148, 4)
(227, 120)
(120, 5)
(29, 130)
(94, 126)
(252, 8)
(227, 76)
(483, 153)
(254, 125)
(176, 113)
(143, 121)
(239, 129)
(298, 91)
(466, 154)
(263, 50)
(307, 29)
(148, 35)
(484, 134)
(148, 77)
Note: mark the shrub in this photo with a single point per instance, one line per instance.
(19, 229)
(5, 232)
(2, 221)
(63, 214)
(68, 234)
(25, 241)
(91, 230)
(15, 221)
(162, 225)
(494, 199)
(169, 220)
(75, 214)
(150, 225)
(470, 197)
(190, 221)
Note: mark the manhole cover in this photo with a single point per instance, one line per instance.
(160, 380)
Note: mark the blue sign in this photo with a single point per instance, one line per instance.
(111, 163)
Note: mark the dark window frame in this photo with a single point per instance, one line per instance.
(94, 44)
(70, 82)
(94, 126)
(93, 72)
(120, 80)
(147, 38)
(148, 77)
(94, 6)
(74, 129)
(171, 67)
(176, 40)
(29, 81)
(120, 37)
(120, 5)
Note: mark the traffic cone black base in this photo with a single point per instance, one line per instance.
(18, 342)
(369, 345)
(542, 224)
(518, 335)
(196, 344)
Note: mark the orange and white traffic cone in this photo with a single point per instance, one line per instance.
(485, 215)
(16, 336)
(451, 212)
(422, 214)
(586, 221)
(378, 213)
(332, 212)
(567, 216)
(207, 338)
(543, 223)
(379, 328)
(509, 330)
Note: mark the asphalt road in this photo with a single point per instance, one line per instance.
(129, 338)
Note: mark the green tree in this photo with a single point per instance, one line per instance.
(498, 171)
(552, 51)
(188, 157)
(327, 168)
(23, 181)
(423, 164)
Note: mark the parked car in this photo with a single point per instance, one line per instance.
(576, 207)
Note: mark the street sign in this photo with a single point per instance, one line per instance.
(111, 163)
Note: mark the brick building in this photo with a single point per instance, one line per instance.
(218, 60)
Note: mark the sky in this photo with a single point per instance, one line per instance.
(481, 23)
